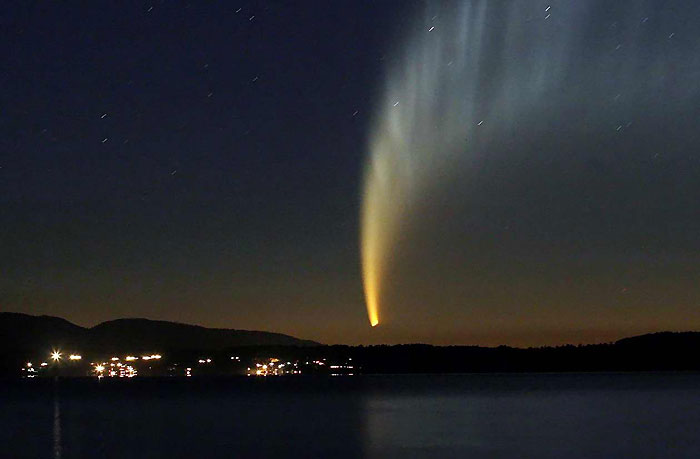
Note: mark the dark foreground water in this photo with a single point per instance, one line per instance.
(543, 415)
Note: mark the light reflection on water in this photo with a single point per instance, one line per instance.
(375, 417)
(56, 426)
(429, 423)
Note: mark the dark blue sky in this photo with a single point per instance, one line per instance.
(173, 162)
(202, 162)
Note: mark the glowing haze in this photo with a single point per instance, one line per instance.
(467, 75)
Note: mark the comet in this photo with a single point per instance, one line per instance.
(420, 124)
(440, 103)
(474, 87)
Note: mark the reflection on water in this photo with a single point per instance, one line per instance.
(56, 425)
(427, 423)
(392, 416)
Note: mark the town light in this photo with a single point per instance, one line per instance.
(56, 356)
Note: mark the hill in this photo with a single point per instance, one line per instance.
(144, 334)
(22, 333)
(24, 337)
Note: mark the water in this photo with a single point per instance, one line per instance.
(546, 415)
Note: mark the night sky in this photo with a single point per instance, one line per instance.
(203, 162)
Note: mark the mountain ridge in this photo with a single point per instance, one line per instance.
(24, 337)
(21, 331)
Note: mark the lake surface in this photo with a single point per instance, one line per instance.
(525, 415)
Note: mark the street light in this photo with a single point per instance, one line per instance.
(56, 356)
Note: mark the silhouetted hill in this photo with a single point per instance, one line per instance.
(23, 337)
(681, 340)
(144, 334)
(23, 333)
